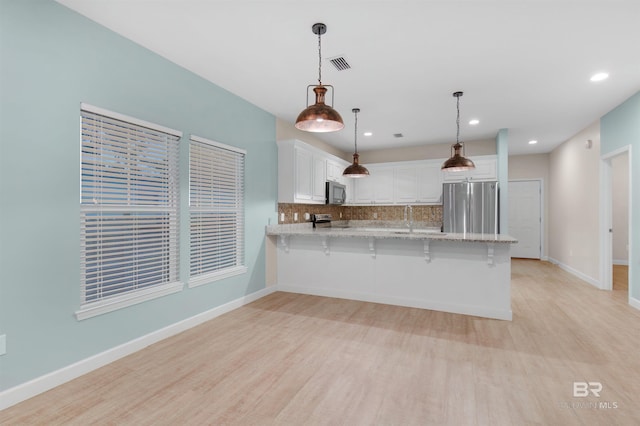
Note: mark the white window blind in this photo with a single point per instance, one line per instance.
(129, 211)
(216, 207)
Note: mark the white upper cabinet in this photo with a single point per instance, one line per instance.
(334, 173)
(319, 178)
(407, 182)
(303, 171)
(418, 182)
(486, 169)
(430, 182)
(303, 175)
(377, 188)
(335, 169)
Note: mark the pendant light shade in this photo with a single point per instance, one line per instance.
(356, 170)
(458, 162)
(319, 117)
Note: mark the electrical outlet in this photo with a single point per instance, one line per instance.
(281, 217)
(375, 215)
(295, 217)
(3, 344)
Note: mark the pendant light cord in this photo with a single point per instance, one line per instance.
(458, 120)
(355, 136)
(319, 59)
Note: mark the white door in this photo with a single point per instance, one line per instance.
(525, 218)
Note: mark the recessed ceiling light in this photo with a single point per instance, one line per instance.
(474, 121)
(533, 142)
(367, 133)
(599, 76)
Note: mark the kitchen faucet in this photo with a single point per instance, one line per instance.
(410, 223)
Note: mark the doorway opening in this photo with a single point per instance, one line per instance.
(615, 190)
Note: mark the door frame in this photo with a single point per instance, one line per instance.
(606, 218)
(542, 218)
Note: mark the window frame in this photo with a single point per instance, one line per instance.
(240, 259)
(137, 292)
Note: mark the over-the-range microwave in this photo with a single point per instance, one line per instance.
(336, 193)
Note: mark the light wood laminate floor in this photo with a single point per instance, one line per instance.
(620, 278)
(290, 359)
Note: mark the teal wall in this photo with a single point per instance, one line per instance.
(52, 60)
(620, 128)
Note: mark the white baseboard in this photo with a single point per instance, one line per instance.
(42, 384)
(634, 302)
(621, 262)
(572, 271)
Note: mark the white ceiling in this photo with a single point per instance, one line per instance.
(523, 65)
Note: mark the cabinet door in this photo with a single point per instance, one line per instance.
(351, 185)
(406, 184)
(383, 185)
(334, 171)
(319, 178)
(364, 189)
(430, 183)
(304, 175)
(448, 176)
(486, 169)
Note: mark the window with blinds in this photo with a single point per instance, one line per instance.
(129, 211)
(216, 208)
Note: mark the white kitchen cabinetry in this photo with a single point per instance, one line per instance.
(319, 178)
(303, 171)
(407, 182)
(419, 182)
(430, 183)
(334, 171)
(303, 175)
(486, 169)
(377, 188)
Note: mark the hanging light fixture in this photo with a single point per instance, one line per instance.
(458, 162)
(356, 170)
(319, 117)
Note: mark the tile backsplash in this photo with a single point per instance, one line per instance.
(421, 213)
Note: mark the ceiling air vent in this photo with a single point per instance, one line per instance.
(340, 63)
(398, 135)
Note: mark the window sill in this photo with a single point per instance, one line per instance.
(216, 276)
(93, 309)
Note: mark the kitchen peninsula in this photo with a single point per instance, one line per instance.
(418, 267)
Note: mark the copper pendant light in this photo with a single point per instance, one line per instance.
(319, 117)
(458, 162)
(356, 170)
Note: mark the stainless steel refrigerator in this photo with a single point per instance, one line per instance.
(470, 207)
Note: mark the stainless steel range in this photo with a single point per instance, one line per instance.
(321, 220)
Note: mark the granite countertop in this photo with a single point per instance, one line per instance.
(380, 229)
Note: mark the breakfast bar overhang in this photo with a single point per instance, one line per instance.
(459, 273)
